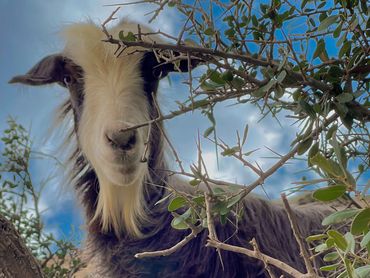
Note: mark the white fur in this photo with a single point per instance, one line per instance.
(113, 99)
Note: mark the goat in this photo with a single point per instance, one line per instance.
(106, 96)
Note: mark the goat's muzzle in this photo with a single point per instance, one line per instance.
(123, 140)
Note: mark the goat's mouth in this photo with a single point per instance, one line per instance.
(124, 172)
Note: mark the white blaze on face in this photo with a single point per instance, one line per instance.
(113, 99)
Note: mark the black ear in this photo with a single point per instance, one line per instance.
(49, 70)
(160, 68)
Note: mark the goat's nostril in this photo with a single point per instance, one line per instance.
(124, 140)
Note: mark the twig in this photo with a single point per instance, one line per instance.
(157, 11)
(212, 235)
(298, 237)
(166, 252)
(250, 253)
(260, 257)
(110, 18)
(284, 159)
(189, 108)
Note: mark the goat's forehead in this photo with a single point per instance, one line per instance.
(85, 47)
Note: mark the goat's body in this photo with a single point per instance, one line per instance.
(263, 220)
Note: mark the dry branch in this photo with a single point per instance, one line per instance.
(298, 236)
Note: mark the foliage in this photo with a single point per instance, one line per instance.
(308, 60)
(20, 203)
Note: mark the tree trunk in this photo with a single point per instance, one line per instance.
(16, 260)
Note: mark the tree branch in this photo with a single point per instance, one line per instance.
(15, 258)
(298, 236)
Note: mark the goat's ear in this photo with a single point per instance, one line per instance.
(160, 68)
(47, 71)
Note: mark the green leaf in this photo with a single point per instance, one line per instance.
(329, 267)
(194, 182)
(303, 4)
(337, 30)
(320, 248)
(362, 271)
(208, 131)
(330, 132)
(312, 152)
(304, 146)
(227, 76)
(179, 223)
(332, 256)
(221, 208)
(316, 237)
(229, 32)
(361, 222)
(238, 83)
(349, 267)
(365, 241)
(329, 193)
(343, 98)
(279, 91)
(245, 134)
(328, 166)
(339, 239)
(199, 200)
(130, 37)
(121, 35)
(345, 49)
(229, 152)
(327, 22)
(254, 21)
(209, 32)
(215, 76)
(260, 92)
(335, 74)
(354, 23)
(232, 201)
(339, 216)
(307, 108)
(176, 203)
(319, 48)
(351, 242)
(280, 78)
(199, 103)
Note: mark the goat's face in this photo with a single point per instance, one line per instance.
(115, 100)
(107, 99)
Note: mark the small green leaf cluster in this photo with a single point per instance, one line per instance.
(190, 210)
(20, 203)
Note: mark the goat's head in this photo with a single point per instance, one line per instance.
(108, 95)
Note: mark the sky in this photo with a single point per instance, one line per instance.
(30, 31)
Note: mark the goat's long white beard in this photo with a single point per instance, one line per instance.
(122, 208)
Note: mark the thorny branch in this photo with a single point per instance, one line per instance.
(298, 236)
(214, 242)
(207, 54)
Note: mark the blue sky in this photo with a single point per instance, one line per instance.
(30, 31)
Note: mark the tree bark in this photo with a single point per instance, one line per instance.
(16, 260)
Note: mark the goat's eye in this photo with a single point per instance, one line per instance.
(157, 73)
(67, 80)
